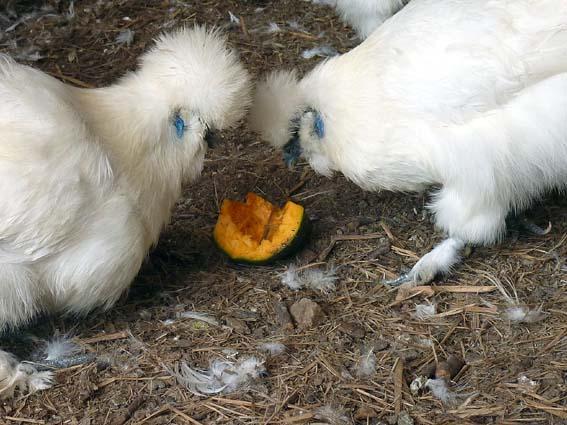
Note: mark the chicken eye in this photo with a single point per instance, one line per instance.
(179, 126)
(319, 127)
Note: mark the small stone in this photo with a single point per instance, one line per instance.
(246, 315)
(405, 419)
(238, 325)
(283, 317)
(365, 412)
(352, 329)
(380, 345)
(307, 256)
(409, 355)
(307, 313)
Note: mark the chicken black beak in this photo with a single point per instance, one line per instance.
(292, 151)
(212, 138)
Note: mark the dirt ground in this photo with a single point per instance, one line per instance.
(515, 373)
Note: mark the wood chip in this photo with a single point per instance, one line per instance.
(106, 337)
(428, 291)
(554, 342)
(560, 412)
(283, 317)
(129, 411)
(24, 420)
(470, 412)
(297, 418)
(398, 385)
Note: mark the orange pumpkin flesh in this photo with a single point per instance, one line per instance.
(257, 232)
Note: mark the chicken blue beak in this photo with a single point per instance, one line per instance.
(292, 151)
(212, 138)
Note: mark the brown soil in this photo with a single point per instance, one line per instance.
(133, 341)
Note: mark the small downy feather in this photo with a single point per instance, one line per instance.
(366, 365)
(440, 390)
(323, 51)
(61, 352)
(516, 312)
(125, 37)
(331, 415)
(291, 278)
(423, 311)
(523, 314)
(320, 280)
(313, 278)
(202, 317)
(223, 376)
(59, 347)
(234, 20)
(272, 349)
(273, 28)
(20, 376)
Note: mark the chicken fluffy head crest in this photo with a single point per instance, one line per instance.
(193, 84)
(283, 116)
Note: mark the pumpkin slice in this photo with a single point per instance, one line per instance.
(258, 232)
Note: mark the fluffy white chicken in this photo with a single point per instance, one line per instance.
(88, 178)
(470, 95)
(364, 16)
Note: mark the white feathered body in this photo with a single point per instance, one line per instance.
(88, 178)
(467, 94)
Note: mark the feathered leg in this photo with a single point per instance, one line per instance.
(439, 260)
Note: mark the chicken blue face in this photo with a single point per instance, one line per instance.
(210, 136)
(316, 130)
(180, 127)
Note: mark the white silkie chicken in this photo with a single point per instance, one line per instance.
(88, 178)
(364, 16)
(467, 94)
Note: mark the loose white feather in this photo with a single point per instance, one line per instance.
(60, 347)
(203, 317)
(235, 20)
(440, 390)
(313, 278)
(222, 377)
(320, 280)
(273, 349)
(417, 384)
(291, 278)
(424, 311)
(16, 376)
(273, 28)
(331, 415)
(516, 313)
(125, 37)
(526, 384)
(323, 51)
(366, 365)
(522, 314)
